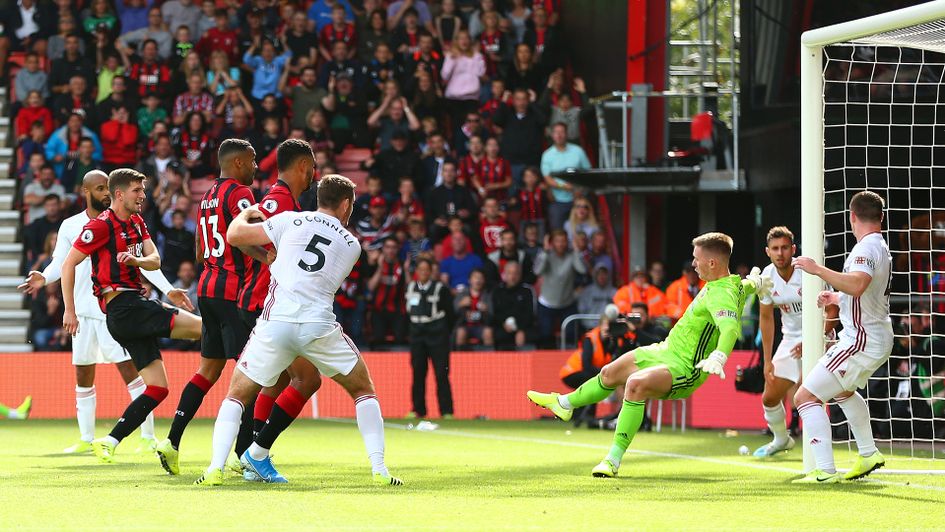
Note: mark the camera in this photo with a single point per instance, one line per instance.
(623, 324)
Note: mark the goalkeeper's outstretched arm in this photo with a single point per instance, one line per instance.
(852, 283)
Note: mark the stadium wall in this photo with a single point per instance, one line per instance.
(485, 384)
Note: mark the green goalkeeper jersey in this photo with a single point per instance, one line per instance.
(712, 321)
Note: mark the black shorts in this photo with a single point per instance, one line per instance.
(224, 333)
(136, 324)
(249, 318)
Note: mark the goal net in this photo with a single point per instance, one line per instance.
(874, 119)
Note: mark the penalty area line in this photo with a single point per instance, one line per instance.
(678, 456)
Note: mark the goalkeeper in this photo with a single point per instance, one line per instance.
(697, 346)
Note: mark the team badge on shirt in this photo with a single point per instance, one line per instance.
(270, 205)
(86, 236)
(243, 204)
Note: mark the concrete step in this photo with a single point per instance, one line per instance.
(11, 251)
(12, 315)
(6, 185)
(8, 234)
(16, 348)
(6, 154)
(6, 202)
(11, 300)
(5, 172)
(12, 333)
(9, 266)
(9, 218)
(9, 282)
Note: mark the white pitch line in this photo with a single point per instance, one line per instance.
(717, 461)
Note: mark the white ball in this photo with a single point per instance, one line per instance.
(743, 450)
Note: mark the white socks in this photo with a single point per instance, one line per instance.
(371, 425)
(774, 416)
(85, 411)
(817, 425)
(136, 388)
(257, 452)
(564, 402)
(858, 416)
(224, 432)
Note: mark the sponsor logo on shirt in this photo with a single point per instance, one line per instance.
(86, 236)
(864, 260)
(726, 314)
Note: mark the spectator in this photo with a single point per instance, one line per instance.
(681, 292)
(30, 78)
(117, 96)
(567, 111)
(376, 227)
(558, 158)
(430, 307)
(415, 244)
(423, 58)
(387, 284)
(38, 192)
(427, 100)
(46, 321)
(32, 149)
(395, 162)
(522, 126)
(448, 200)
(598, 252)
(150, 72)
(208, 19)
(495, 174)
(150, 114)
(179, 13)
(133, 14)
(497, 97)
(267, 68)
(185, 279)
(119, 140)
(180, 201)
(531, 203)
(75, 100)
(519, 17)
(513, 309)
(492, 43)
(448, 23)
(195, 146)
(348, 112)
(491, 225)
(509, 251)
(45, 256)
(340, 63)
(72, 63)
(196, 99)
(398, 10)
(307, 96)
(300, 41)
(220, 39)
(471, 129)
(272, 135)
(56, 45)
(362, 203)
(463, 71)
(33, 112)
(177, 250)
(63, 143)
(648, 332)
(320, 12)
(43, 221)
(596, 296)
(405, 38)
(473, 313)
(544, 40)
(657, 273)
(109, 68)
(156, 164)
(349, 303)
(188, 65)
(470, 167)
(558, 267)
(100, 19)
(380, 69)
(407, 207)
(393, 115)
(340, 30)
(640, 290)
(372, 34)
(432, 162)
(523, 73)
(76, 169)
(236, 111)
(581, 219)
(456, 268)
(133, 41)
(475, 18)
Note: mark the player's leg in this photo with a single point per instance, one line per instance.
(786, 372)
(85, 402)
(242, 390)
(21, 412)
(266, 401)
(820, 386)
(440, 356)
(648, 383)
(136, 386)
(858, 416)
(185, 326)
(304, 383)
(155, 379)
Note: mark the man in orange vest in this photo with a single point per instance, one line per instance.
(681, 292)
(640, 290)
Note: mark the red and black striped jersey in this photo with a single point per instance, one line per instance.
(389, 294)
(531, 204)
(225, 266)
(330, 35)
(152, 78)
(493, 172)
(253, 291)
(469, 167)
(103, 239)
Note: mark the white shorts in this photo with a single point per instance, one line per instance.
(93, 344)
(273, 346)
(850, 364)
(786, 366)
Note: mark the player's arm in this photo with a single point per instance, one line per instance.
(150, 259)
(853, 283)
(177, 296)
(198, 247)
(723, 310)
(69, 320)
(245, 234)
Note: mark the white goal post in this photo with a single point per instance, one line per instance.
(919, 28)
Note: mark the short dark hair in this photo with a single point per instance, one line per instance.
(559, 124)
(424, 260)
(120, 178)
(232, 146)
(558, 232)
(639, 305)
(146, 41)
(290, 150)
(52, 197)
(779, 231)
(309, 67)
(333, 189)
(868, 206)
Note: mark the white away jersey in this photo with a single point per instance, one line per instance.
(314, 255)
(86, 304)
(866, 318)
(786, 295)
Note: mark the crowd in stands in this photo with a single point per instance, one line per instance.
(458, 114)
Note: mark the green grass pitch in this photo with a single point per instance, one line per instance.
(466, 475)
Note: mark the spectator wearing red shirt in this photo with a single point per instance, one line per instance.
(195, 146)
(338, 30)
(119, 139)
(470, 167)
(407, 207)
(426, 58)
(150, 73)
(406, 39)
(544, 40)
(498, 96)
(530, 200)
(220, 37)
(495, 174)
(76, 99)
(492, 43)
(491, 225)
(195, 100)
(33, 112)
(473, 312)
(387, 285)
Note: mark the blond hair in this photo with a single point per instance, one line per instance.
(716, 243)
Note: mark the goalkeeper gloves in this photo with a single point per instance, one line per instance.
(713, 363)
(762, 283)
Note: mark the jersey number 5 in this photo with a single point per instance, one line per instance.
(312, 248)
(218, 242)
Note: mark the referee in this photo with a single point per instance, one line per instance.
(430, 307)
